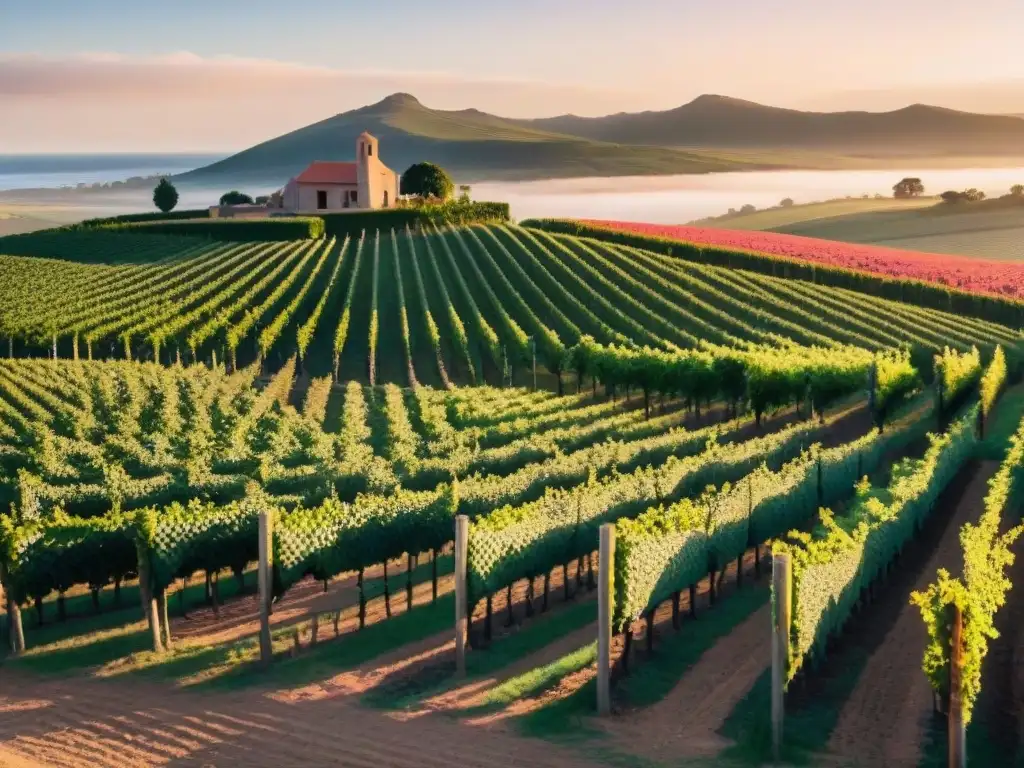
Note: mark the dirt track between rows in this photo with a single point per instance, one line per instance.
(81, 722)
(885, 718)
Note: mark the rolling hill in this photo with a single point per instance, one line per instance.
(711, 133)
(991, 229)
(469, 143)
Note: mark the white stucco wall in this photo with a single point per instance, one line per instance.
(306, 197)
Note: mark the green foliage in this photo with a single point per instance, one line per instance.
(165, 196)
(992, 381)
(766, 378)
(334, 538)
(956, 373)
(981, 590)
(909, 187)
(895, 378)
(137, 218)
(304, 335)
(203, 537)
(453, 212)
(232, 230)
(666, 549)
(427, 180)
(273, 330)
(832, 565)
(61, 551)
(519, 539)
(314, 405)
(234, 197)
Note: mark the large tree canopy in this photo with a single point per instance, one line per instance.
(909, 187)
(427, 180)
(234, 197)
(165, 196)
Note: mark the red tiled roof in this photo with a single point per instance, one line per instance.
(323, 172)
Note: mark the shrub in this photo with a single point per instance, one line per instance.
(453, 212)
(234, 230)
(128, 218)
(427, 179)
(234, 197)
(165, 196)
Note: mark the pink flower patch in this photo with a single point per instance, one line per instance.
(974, 275)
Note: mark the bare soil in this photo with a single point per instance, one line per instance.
(83, 722)
(709, 690)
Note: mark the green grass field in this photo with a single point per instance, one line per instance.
(993, 229)
(807, 214)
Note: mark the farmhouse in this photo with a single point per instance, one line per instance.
(332, 186)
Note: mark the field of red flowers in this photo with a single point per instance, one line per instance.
(967, 274)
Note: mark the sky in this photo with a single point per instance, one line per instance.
(195, 75)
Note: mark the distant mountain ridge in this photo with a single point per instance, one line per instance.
(697, 137)
(713, 121)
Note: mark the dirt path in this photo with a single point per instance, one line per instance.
(473, 693)
(239, 616)
(885, 718)
(82, 722)
(707, 694)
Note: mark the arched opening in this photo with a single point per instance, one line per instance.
(385, 198)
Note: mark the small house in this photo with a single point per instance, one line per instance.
(327, 186)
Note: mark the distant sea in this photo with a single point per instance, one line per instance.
(34, 171)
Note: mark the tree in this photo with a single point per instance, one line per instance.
(234, 197)
(165, 196)
(262, 199)
(1017, 190)
(786, 203)
(909, 187)
(748, 208)
(426, 180)
(971, 195)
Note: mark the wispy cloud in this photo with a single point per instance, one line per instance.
(181, 100)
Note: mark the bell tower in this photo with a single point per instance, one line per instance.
(367, 160)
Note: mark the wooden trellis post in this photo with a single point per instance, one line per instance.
(461, 608)
(605, 595)
(782, 590)
(149, 601)
(957, 734)
(14, 625)
(265, 578)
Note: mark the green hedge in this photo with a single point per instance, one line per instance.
(234, 230)
(998, 309)
(132, 218)
(455, 212)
